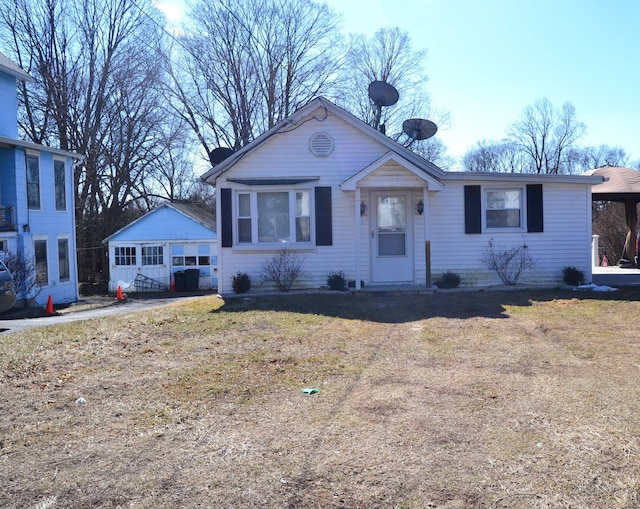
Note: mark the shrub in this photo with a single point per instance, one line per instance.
(448, 280)
(23, 270)
(336, 281)
(508, 263)
(241, 282)
(572, 276)
(283, 269)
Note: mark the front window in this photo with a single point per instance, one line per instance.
(152, 255)
(125, 255)
(63, 259)
(42, 268)
(273, 216)
(503, 208)
(60, 185)
(33, 182)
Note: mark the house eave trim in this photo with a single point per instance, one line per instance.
(273, 181)
(13, 142)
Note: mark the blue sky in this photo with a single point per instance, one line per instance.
(489, 59)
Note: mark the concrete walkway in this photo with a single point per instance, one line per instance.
(615, 276)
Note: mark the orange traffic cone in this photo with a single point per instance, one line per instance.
(119, 295)
(49, 308)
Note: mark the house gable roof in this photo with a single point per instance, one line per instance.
(323, 107)
(7, 66)
(391, 157)
(192, 212)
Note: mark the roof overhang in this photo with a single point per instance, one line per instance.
(522, 177)
(432, 183)
(13, 142)
(14, 70)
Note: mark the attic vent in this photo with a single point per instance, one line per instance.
(321, 144)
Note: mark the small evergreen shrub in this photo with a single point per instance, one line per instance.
(448, 280)
(572, 276)
(336, 281)
(241, 282)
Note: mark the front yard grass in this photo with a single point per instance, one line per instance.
(495, 399)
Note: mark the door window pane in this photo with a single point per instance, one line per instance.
(392, 221)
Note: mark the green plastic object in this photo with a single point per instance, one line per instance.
(307, 390)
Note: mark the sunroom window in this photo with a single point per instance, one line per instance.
(273, 216)
(503, 208)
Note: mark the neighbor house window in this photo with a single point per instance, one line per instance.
(60, 184)
(503, 208)
(42, 268)
(152, 255)
(125, 255)
(33, 181)
(63, 259)
(274, 216)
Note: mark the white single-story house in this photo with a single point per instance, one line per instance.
(345, 197)
(171, 247)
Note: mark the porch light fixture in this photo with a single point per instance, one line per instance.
(420, 207)
(363, 208)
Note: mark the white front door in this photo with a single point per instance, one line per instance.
(391, 238)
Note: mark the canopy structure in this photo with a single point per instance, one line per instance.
(621, 185)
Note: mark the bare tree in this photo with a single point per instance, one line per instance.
(388, 56)
(581, 159)
(546, 135)
(498, 157)
(247, 65)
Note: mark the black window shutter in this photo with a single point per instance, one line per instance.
(324, 228)
(472, 209)
(226, 221)
(535, 216)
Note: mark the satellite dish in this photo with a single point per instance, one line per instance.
(383, 94)
(217, 155)
(419, 128)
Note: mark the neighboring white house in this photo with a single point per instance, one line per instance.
(37, 215)
(345, 197)
(174, 242)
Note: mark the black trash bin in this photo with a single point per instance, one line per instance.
(191, 279)
(179, 280)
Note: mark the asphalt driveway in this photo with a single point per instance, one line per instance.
(87, 308)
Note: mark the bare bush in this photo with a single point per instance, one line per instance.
(283, 269)
(23, 270)
(508, 263)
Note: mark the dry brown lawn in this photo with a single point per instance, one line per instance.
(495, 399)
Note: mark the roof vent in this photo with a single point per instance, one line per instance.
(321, 144)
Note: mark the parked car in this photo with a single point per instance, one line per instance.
(7, 294)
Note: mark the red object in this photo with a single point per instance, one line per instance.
(173, 285)
(49, 308)
(119, 295)
(605, 262)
